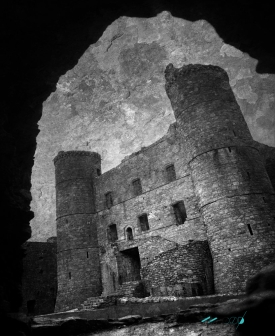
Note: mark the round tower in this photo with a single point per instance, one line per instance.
(236, 198)
(78, 265)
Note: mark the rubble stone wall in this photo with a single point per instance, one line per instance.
(177, 271)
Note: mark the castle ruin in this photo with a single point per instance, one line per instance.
(192, 214)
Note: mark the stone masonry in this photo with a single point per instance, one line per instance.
(192, 214)
(77, 244)
(231, 183)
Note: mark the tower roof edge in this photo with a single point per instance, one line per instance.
(63, 154)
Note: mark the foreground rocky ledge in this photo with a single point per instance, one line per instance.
(175, 319)
(170, 317)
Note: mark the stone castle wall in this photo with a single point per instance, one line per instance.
(79, 212)
(182, 271)
(158, 195)
(156, 199)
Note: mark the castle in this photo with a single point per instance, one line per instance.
(192, 214)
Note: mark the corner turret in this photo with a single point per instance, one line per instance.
(235, 195)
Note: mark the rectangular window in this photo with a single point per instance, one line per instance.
(180, 212)
(143, 222)
(109, 200)
(170, 173)
(137, 187)
(98, 172)
(112, 233)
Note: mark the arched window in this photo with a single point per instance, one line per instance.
(109, 199)
(129, 234)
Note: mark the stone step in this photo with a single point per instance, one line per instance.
(128, 288)
(94, 301)
(98, 302)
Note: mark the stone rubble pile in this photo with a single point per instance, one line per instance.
(124, 300)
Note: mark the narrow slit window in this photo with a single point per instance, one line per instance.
(143, 222)
(70, 276)
(170, 173)
(264, 199)
(180, 212)
(112, 233)
(129, 234)
(248, 175)
(87, 254)
(250, 229)
(234, 133)
(137, 187)
(98, 172)
(109, 200)
(229, 148)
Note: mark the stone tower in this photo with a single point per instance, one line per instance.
(236, 199)
(78, 264)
